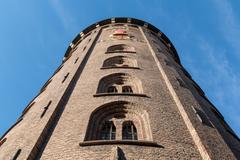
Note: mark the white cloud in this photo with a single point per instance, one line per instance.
(228, 23)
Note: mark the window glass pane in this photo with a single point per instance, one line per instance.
(108, 131)
(129, 131)
(127, 89)
(112, 89)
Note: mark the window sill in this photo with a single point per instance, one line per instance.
(119, 94)
(122, 142)
(113, 67)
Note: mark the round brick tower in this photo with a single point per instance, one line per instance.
(120, 93)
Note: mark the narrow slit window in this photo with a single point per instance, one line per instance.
(65, 77)
(45, 109)
(76, 60)
(129, 131)
(108, 131)
(17, 154)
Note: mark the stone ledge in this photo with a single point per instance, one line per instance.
(121, 142)
(120, 94)
(107, 52)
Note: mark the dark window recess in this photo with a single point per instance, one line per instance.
(45, 109)
(127, 89)
(167, 62)
(121, 48)
(129, 131)
(89, 40)
(2, 141)
(181, 83)
(65, 77)
(76, 60)
(108, 131)
(112, 89)
(119, 154)
(17, 154)
(58, 69)
(84, 48)
(45, 85)
(202, 117)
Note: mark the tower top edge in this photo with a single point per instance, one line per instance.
(126, 20)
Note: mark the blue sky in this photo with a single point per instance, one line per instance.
(35, 34)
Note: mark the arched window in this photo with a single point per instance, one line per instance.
(108, 131)
(119, 120)
(121, 48)
(129, 131)
(120, 62)
(120, 83)
(127, 89)
(112, 89)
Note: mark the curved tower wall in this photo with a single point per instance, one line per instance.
(125, 74)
